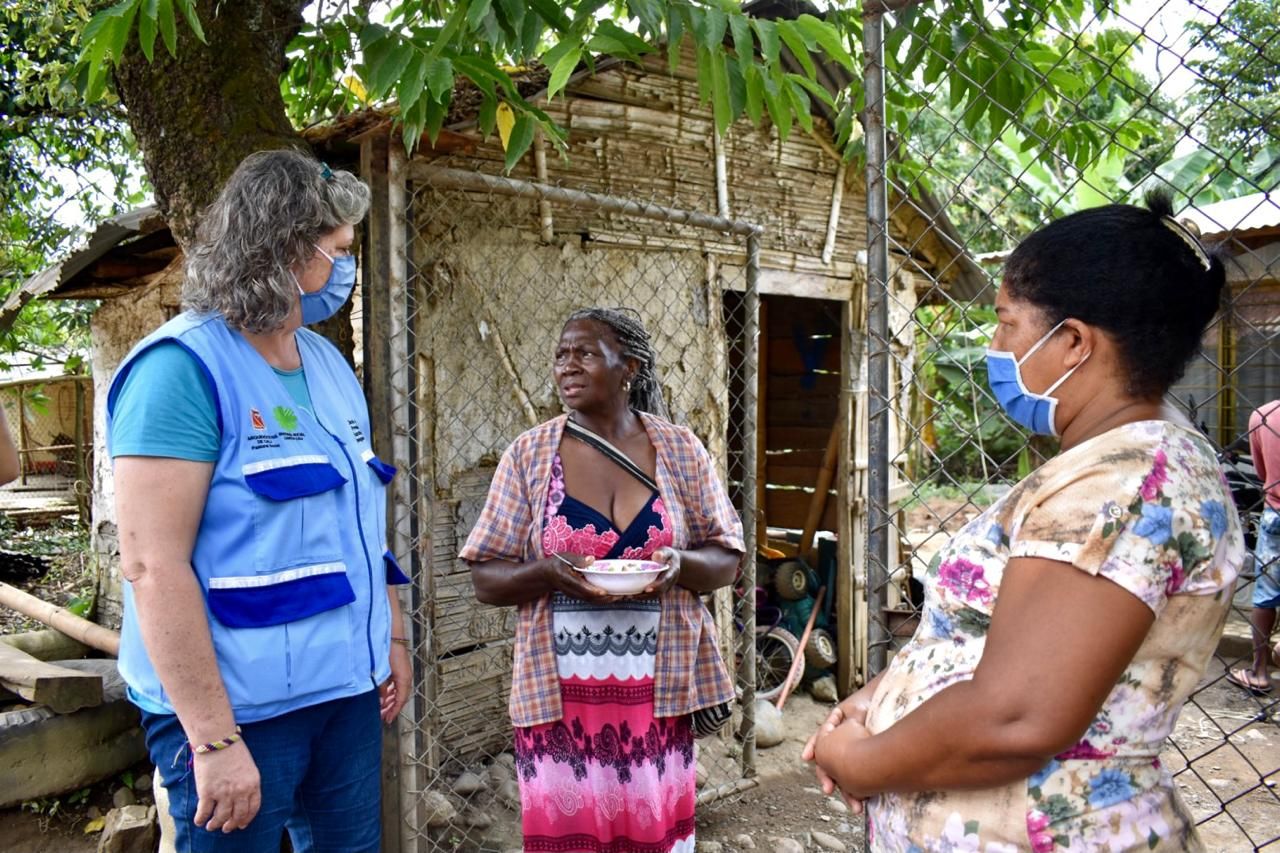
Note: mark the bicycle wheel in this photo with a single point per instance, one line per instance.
(776, 650)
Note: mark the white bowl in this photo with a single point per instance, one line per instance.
(623, 577)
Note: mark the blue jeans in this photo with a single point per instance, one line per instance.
(321, 777)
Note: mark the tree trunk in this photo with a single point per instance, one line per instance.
(197, 115)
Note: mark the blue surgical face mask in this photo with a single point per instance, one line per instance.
(1027, 409)
(325, 302)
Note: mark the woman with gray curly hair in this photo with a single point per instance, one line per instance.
(261, 637)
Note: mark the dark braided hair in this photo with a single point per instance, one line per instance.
(646, 392)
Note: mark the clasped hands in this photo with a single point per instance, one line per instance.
(845, 724)
(562, 576)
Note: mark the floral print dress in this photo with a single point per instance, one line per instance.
(1144, 505)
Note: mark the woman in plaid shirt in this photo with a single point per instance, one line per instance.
(605, 688)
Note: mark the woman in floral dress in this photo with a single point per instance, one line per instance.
(1064, 627)
(607, 692)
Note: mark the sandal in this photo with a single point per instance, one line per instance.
(1242, 677)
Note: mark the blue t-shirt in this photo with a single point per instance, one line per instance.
(166, 408)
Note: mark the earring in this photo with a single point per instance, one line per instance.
(626, 386)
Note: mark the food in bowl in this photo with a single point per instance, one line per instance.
(623, 577)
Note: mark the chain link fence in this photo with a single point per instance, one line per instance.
(493, 268)
(1164, 116)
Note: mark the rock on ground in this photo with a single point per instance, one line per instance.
(824, 689)
(770, 730)
(828, 842)
(131, 829)
(744, 841)
(467, 784)
(437, 809)
(708, 847)
(786, 845)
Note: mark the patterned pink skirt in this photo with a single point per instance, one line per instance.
(609, 777)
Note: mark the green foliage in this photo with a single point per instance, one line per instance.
(1238, 78)
(343, 59)
(972, 439)
(61, 160)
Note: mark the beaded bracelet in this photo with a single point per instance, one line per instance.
(216, 745)
(404, 641)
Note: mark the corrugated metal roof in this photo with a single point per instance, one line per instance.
(1236, 215)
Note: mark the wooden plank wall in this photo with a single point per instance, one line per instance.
(802, 401)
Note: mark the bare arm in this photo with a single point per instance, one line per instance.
(159, 503)
(394, 692)
(505, 583)
(9, 468)
(1059, 640)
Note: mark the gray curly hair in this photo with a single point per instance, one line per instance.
(628, 328)
(267, 219)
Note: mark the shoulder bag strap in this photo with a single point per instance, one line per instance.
(615, 455)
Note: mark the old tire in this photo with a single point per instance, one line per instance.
(820, 651)
(791, 580)
(776, 650)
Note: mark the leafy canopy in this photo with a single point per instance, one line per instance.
(62, 160)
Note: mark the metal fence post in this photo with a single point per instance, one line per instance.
(877, 342)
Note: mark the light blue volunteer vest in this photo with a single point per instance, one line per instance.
(290, 551)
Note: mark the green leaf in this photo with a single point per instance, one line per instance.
(168, 26)
(826, 37)
(451, 26)
(562, 60)
(412, 80)
(799, 99)
(521, 138)
(795, 43)
(487, 118)
(435, 115)
(147, 29)
(816, 89)
(737, 89)
(767, 33)
(1066, 80)
(754, 106)
(675, 35)
(721, 108)
(476, 11)
(705, 72)
(384, 75)
(439, 78)
(614, 40)
(550, 11)
(119, 33)
(188, 8)
(649, 12)
(713, 31)
(743, 45)
(779, 107)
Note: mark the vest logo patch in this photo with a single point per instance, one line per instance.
(286, 417)
(255, 418)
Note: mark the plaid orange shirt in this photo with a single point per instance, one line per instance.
(688, 671)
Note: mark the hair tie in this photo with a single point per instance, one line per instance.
(326, 172)
(1189, 234)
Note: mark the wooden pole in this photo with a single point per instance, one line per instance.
(102, 639)
(24, 455)
(818, 503)
(762, 430)
(797, 665)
